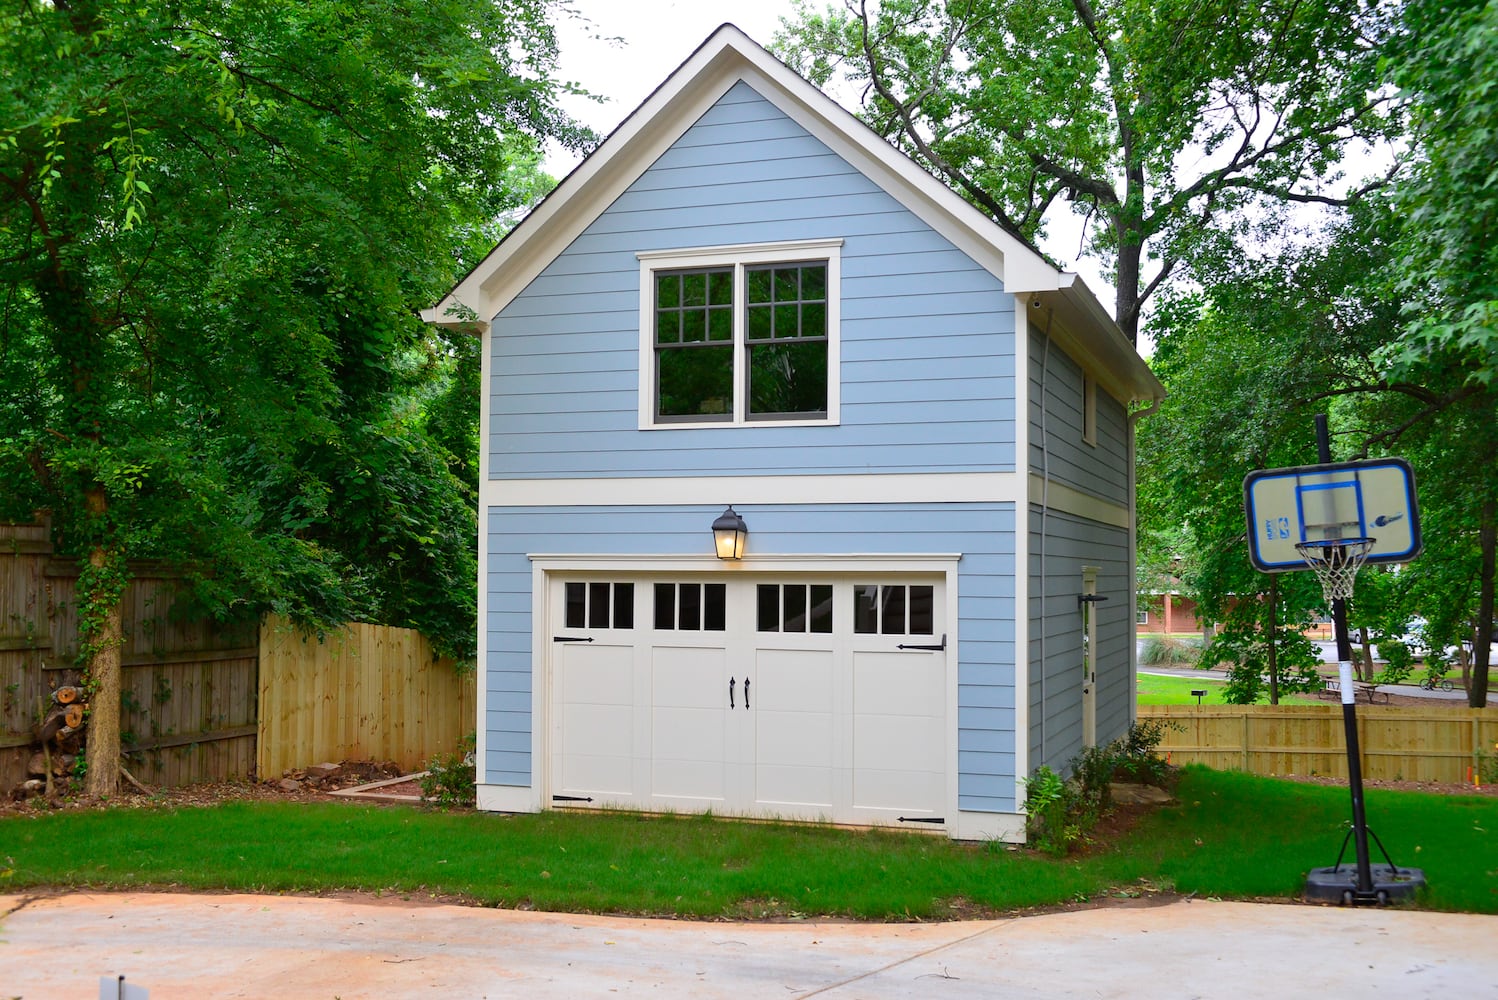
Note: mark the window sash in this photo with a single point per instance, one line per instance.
(806, 388)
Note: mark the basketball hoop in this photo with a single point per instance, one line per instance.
(1336, 562)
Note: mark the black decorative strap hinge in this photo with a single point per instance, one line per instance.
(929, 648)
(570, 638)
(922, 819)
(570, 798)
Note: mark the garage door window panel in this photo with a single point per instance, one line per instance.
(598, 604)
(691, 607)
(894, 609)
(794, 607)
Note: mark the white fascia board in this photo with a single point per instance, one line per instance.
(954, 487)
(1004, 255)
(727, 57)
(1085, 330)
(585, 193)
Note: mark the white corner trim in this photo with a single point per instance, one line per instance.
(956, 487)
(1067, 500)
(1008, 828)
(508, 798)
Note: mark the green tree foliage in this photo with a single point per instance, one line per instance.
(1251, 358)
(1155, 119)
(218, 222)
(1446, 258)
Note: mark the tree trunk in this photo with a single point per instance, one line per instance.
(100, 632)
(1487, 535)
(1365, 665)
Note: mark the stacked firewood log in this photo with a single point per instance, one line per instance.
(60, 737)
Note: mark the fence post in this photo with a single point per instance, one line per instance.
(1246, 768)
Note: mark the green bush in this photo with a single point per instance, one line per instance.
(451, 777)
(1161, 649)
(1398, 657)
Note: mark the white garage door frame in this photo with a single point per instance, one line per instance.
(547, 567)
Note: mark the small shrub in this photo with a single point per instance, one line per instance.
(1487, 766)
(451, 777)
(1060, 812)
(1049, 825)
(1137, 754)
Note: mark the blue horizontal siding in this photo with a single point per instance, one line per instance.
(982, 533)
(927, 337)
(1056, 444)
(1055, 694)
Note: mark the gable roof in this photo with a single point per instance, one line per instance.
(727, 57)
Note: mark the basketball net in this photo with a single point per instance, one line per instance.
(1336, 562)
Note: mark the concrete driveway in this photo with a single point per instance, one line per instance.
(291, 947)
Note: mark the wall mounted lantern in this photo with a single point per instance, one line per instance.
(729, 532)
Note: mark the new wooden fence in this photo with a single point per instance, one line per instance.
(364, 692)
(1397, 743)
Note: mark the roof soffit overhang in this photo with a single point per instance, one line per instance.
(1079, 325)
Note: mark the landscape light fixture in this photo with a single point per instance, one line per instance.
(729, 533)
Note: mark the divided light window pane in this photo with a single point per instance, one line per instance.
(784, 343)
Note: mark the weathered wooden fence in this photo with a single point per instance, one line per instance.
(1397, 743)
(187, 710)
(364, 692)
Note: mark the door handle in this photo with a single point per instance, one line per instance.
(746, 694)
(730, 692)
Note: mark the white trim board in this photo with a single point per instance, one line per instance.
(1067, 500)
(955, 487)
(958, 487)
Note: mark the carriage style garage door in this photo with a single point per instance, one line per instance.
(772, 696)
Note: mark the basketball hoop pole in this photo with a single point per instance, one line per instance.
(1349, 711)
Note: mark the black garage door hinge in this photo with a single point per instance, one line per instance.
(922, 819)
(570, 638)
(570, 798)
(943, 645)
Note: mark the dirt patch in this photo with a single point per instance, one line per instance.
(1434, 787)
(312, 784)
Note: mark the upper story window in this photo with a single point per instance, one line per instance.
(736, 335)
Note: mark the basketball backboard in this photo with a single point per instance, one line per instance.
(1372, 499)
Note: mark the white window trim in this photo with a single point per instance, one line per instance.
(738, 256)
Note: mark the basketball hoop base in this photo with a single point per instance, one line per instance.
(1339, 884)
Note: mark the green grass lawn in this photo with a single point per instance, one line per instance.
(1156, 689)
(1231, 835)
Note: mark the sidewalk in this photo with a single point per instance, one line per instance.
(193, 946)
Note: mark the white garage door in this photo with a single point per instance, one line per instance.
(758, 695)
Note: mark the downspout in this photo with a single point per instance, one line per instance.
(1134, 419)
(1045, 487)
